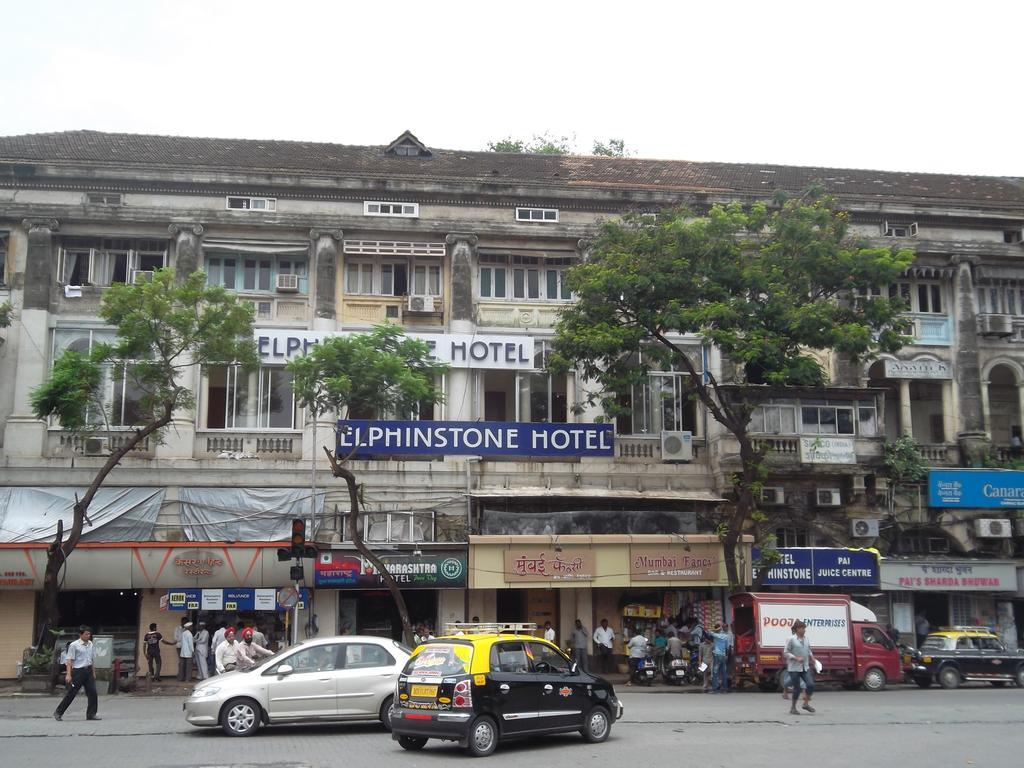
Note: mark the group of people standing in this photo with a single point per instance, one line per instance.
(204, 652)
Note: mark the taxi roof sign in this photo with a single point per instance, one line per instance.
(487, 628)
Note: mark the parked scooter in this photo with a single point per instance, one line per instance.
(645, 672)
(674, 670)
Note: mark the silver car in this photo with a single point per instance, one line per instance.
(333, 678)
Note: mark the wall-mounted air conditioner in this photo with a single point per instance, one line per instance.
(287, 283)
(677, 446)
(995, 326)
(827, 497)
(988, 528)
(421, 304)
(773, 496)
(864, 528)
(96, 446)
(142, 276)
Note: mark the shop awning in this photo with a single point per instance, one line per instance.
(594, 493)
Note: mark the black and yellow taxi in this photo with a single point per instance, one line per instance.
(952, 655)
(483, 684)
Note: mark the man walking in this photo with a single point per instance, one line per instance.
(720, 653)
(579, 639)
(604, 644)
(79, 674)
(151, 642)
(799, 658)
(186, 652)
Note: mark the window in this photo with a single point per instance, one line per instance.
(774, 419)
(105, 261)
(247, 273)
(407, 210)
(239, 399)
(1000, 300)
(524, 277)
(391, 278)
(991, 644)
(103, 198)
(827, 419)
(790, 537)
(660, 402)
(120, 394)
(409, 527)
(366, 655)
(319, 658)
(509, 658)
(893, 229)
(251, 204)
(1012, 236)
(875, 636)
(547, 660)
(537, 215)
(921, 297)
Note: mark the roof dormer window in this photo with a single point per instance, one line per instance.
(407, 145)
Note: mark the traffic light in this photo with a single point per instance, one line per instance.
(298, 537)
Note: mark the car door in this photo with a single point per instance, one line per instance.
(968, 656)
(514, 694)
(994, 661)
(877, 650)
(563, 696)
(368, 676)
(310, 689)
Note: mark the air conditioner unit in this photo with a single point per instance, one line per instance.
(864, 528)
(827, 497)
(996, 326)
(773, 496)
(986, 528)
(96, 446)
(421, 303)
(677, 446)
(142, 276)
(287, 283)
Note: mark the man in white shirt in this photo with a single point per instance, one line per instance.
(79, 674)
(186, 652)
(202, 655)
(249, 652)
(215, 643)
(549, 632)
(604, 643)
(225, 658)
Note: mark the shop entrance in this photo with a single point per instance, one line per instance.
(515, 606)
(373, 612)
(107, 611)
(934, 606)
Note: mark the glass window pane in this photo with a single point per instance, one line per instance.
(936, 298)
(533, 283)
(827, 421)
(366, 283)
(810, 420)
(265, 270)
(419, 280)
(435, 280)
(352, 278)
(787, 420)
(844, 421)
(485, 282)
(387, 280)
(277, 407)
(249, 275)
(757, 419)
(229, 274)
(552, 286)
(499, 283)
(922, 298)
(867, 422)
(519, 283)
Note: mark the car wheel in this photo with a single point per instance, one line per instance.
(1019, 677)
(598, 726)
(240, 717)
(483, 737)
(923, 682)
(949, 678)
(874, 679)
(385, 712)
(412, 743)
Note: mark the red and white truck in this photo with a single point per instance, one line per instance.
(846, 639)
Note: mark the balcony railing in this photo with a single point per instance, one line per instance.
(519, 315)
(644, 449)
(240, 445)
(928, 329)
(101, 443)
(940, 455)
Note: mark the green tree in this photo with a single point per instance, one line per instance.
(766, 286)
(163, 327)
(614, 148)
(544, 144)
(378, 373)
(6, 310)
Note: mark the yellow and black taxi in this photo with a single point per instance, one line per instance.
(488, 683)
(953, 655)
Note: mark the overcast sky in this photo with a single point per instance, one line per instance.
(898, 85)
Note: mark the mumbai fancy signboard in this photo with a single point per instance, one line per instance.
(692, 562)
(527, 564)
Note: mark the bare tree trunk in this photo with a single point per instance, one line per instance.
(59, 550)
(357, 540)
(751, 474)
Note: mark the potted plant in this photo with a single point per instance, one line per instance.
(37, 674)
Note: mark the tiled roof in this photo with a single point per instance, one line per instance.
(317, 159)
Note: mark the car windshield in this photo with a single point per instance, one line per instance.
(267, 660)
(440, 659)
(934, 643)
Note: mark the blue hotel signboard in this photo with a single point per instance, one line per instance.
(976, 488)
(823, 567)
(473, 438)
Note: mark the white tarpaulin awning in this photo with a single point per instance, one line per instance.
(594, 493)
(115, 514)
(244, 514)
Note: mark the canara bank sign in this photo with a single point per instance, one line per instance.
(976, 488)
(459, 350)
(468, 438)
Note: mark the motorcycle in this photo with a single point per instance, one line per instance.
(644, 672)
(674, 671)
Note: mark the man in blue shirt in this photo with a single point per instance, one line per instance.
(720, 653)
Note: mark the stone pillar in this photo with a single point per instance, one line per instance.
(24, 434)
(463, 269)
(1020, 404)
(325, 277)
(949, 425)
(188, 250)
(974, 440)
(906, 414)
(986, 410)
